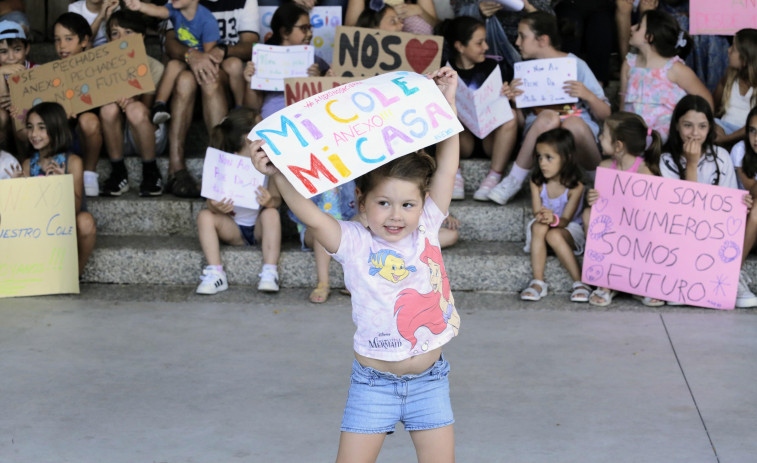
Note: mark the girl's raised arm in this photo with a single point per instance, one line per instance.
(325, 228)
(447, 151)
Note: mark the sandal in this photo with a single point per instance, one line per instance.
(182, 184)
(650, 301)
(580, 292)
(531, 293)
(605, 297)
(345, 292)
(320, 294)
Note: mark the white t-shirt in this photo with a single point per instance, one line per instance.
(706, 169)
(402, 305)
(737, 157)
(738, 106)
(7, 161)
(81, 8)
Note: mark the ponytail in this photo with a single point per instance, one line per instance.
(653, 151)
(228, 135)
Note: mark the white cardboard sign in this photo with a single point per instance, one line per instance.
(543, 80)
(226, 175)
(483, 109)
(274, 63)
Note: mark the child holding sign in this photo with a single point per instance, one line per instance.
(396, 275)
(691, 154)
(737, 90)
(14, 48)
(538, 38)
(72, 36)
(556, 198)
(632, 147)
(50, 138)
(239, 226)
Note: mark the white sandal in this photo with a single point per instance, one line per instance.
(531, 294)
(580, 292)
(649, 301)
(605, 297)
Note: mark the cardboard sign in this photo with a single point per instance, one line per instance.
(543, 80)
(324, 20)
(369, 52)
(86, 80)
(297, 89)
(484, 109)
(665, 238)
(38, 236)
(226, 175)
(336, 136)
(724, 17)
(273, 64)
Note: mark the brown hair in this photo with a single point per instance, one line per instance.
(630, 129)
(229, 134)
(745, 42)
(414, 167)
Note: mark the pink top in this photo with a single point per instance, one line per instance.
(633, 168)
(652, 95)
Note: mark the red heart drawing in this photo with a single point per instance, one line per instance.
(16, 78)
(420, 55)
(131, 54)
(135, 83)
(86, 98)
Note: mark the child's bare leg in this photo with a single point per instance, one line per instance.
(500, 143)
(750, 233)
(91, 138)
(138, 116)
(546, 120)
(448, 237)
(560, 240)
(234, 68)
(586, 146)
(435, 445)
(268, 233)
(86, 234)
(113, 130)
(168, 80)
(538, 250)
(467, 143)
(211, 228)
(359, 448)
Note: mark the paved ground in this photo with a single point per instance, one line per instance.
(251, 378)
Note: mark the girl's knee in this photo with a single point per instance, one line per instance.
(206, 217)
(137, 112)
(546, 120)
(577, 127)
(555, 236)
(89, 124)
(109, 112)
(85, 225)
(232, 65)
(539, 229)
(185, 84)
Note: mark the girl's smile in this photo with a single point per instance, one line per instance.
(37, 131)
(393, 209)
(693, 126)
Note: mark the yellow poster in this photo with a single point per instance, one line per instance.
(38, 236)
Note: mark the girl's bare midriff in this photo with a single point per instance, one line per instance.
(410, 366)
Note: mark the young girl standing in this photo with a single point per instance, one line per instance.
(465, 38)
(735, 93)
(744, 157)
(692, 155)
(653, 80)
(50, 139)
(404, 203)
(632, 147)
(556, 198)
(72, 35)
(235, 225)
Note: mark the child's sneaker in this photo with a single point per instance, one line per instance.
(491, 180)
(213, 281)
(159, 113)
(744, 296)
(269, 281)
(91, 185)
(116, 185)
(152, 184)
(458, 192)
(505, 190)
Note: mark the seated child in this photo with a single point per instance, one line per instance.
(14, 47)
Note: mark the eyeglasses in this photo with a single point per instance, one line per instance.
(305, 28)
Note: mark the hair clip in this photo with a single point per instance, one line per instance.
(649, 139)
(681, 40)
(376, 5)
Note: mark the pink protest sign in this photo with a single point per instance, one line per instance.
(668, 239)
(723, 17)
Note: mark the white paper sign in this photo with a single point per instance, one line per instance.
(543, 80)
(324, 20)
(484, 109)
(273, 64)
(338, 135)
(226, 175)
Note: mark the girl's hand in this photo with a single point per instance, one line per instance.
(488, 8)
(592, 196)
(133, 4)
(5, 102)
(576, 89)
(260, 158)
(249, 71)
(225, 206)
(692, 151)
(263, 195)
(747, 200)
(15, 172)
(405, 10)
(314, 71)
(107, 8)
(306, 4)
(512, 89)
(10, 69)
(451, 223)
(446, 79)
(124, 102)
(53, 168)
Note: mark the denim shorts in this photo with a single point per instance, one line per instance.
(248, 233)
(378, 400)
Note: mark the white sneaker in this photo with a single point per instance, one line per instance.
(91, 184)
(213, 281)
(269, 281)
(458, 192)
(505, 190)
(744, 296)
(491, 180)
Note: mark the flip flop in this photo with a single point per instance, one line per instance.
(320, 294)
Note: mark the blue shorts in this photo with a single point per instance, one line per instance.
(378, 400)
(248, 233)
(728, 127)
